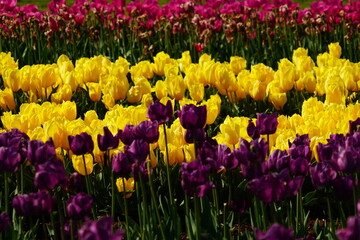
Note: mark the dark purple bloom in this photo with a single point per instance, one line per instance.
(76, 182)
(299, 166)
(49, 174)
(352, 230)
(267, 123)
(108, 140)
(127, 136)
(33, 204)
(148, 131)
(241, 205)
(160, 112)
(301, 140)
(347, 159)
(194, 178)
(10, 159)
(100, 230)
(81, 144)
(225, 158)
(322, 175)
(268, 188)
(208, 150)
(192, 117)
(121, 163)
(325, 151)
(252, 130)
(138, 150)
(40, 152)
(199, 136)
(4, 221)
(278, 160)
(79, 206)
(343, 187)
(275, 232)
(15, 139)
(354, 126)
(139, 170)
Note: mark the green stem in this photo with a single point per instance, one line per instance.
(144, 203)
(224, 222)
(168, 168)
(113, 194)
(6, 175)
(197, 217)
(61, 215)
(126, 208)
(155, 201)
(330, 216)
(71, 229)
(187, 214)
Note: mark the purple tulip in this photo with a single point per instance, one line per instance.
(15, 139)
(121, 163)
(108, 140)
(4, 221)
(208, 150)
(252, 130)
(40, 152)
(225, 159)
(49, 175)
(354, 126)
(139, 170)
(10, 159)
(76, 183)
(268, 188)
(100, 230)
(267, 123)
(81, 144)
(199, 137)
(148, 131)
(322, 175)
(343, 188)
(127, 136)
(275, 232)
(33, 204)
(278, 160)
(79, 206)
(240, 206)
(352, 230)
(192, 117)
(160, 112)
(194, 178)
(138, 150)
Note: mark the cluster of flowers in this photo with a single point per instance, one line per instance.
(202, 20)
(109, 82)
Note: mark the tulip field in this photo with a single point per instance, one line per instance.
(219, 119)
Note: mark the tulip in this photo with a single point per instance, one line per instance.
(276, 231)
(129, 185)
(160, 112)
(49, 174)
(81, 144)
(10, 159)
(192, 117)
(107, 141)
(39, 152)
(79, 206)
(4, 221)
(33, 204)
(78, 164)
(100, 229)
(352, 230)
(267, 123)
(121, 163)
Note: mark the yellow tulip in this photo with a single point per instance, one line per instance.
(63, 93)
(160, 60)
(129, 186)
(116, 87)
(90, 116)
(237, 64)
(197, 92)
(286, 75)
(175, 86)
(142, 68)
(7, 62)
(184, 61)
(83, 167)
(335, 49)
(7, 101)
(57, 130)
(213, 107)
(12, 79)
(160, 89)
(234, 128)
(176, 154)
(94, 91)
(134, 95)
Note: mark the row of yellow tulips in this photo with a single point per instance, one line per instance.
(108, 81)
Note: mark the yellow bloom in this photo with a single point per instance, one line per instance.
(176, 154)
(129, 186)
(335, 49)
(197, 92)
(286, 75)
(63, 93)
(7, 101)
(78, 163)
(213, 106)
(94, 91)
(160, 60)
(175, 86)
(237, 64)
(134, 95)
(108, 101)
(90, 116)
(117, 87)
(184, 61)
(160, 89)
(142, 68)
(234, 128)
(57, 130)
(12, 79)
